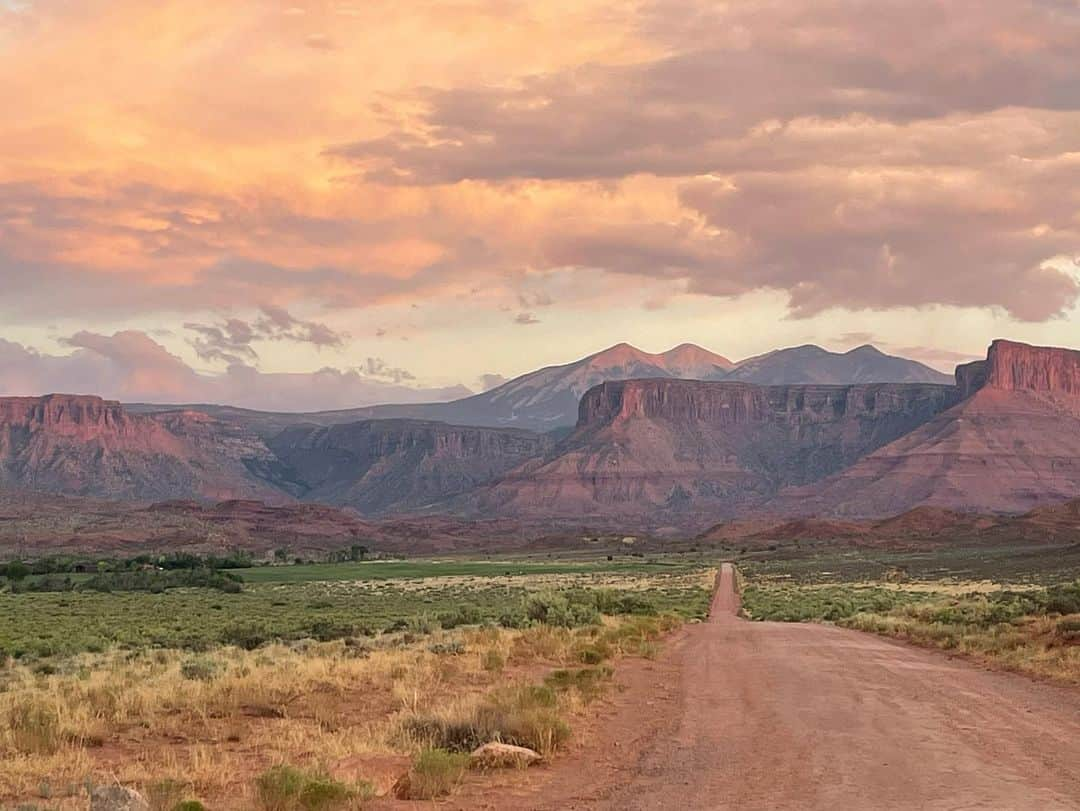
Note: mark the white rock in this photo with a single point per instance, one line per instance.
(503, 756)
(117, 798)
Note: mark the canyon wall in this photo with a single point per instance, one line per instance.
(385, 466)
(83, 445)
(1012, 444)
(679, 446)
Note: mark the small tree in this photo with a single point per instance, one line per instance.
(16, 570)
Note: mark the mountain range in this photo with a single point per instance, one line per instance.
(673, 442)
(548, 398)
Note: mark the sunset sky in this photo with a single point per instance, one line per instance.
(313, 205)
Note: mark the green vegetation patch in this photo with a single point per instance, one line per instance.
(829, 603)
(422, 569)
(44, 624)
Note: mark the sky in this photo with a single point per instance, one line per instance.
(317, 205)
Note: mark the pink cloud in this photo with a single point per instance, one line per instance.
(132, 367)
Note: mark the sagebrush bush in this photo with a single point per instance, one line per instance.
(1063, 599)
(435, 773)
(447, 647)
(1069, 629)
(329, 630)
(246, 635)
(464, 615)
(566, 610)
(287, 788)
(521, 715)
(592, 654)
(199, 669)
(588, 682)
(493, 661)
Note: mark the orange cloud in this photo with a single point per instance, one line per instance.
(175, 157)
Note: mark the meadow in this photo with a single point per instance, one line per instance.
(1016, 608)
(317, 686)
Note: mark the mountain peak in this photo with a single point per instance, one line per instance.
(692, 353)
(619, 353)
(866, 349)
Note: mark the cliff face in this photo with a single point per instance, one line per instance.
(681, 446)
(70, 415)
(1013, 443)
(729, 404)
(82, 445)
(970, 377)
(384, 466)
(1014, 366)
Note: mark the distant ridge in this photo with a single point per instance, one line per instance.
(656, 450)
(1011, 445)
(547, 399)
(812, 364)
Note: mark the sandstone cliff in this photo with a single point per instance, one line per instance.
(82, 445)
(685, 447)
(383, 466)
(1013, 443)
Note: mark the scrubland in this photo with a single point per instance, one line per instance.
(1022, 614)
(291, 706)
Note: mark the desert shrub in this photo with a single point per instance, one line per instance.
(357, 648)
(329, 630)
(592, 654)
(552, 608)
(635, 603)
(286, 788)
(493, 661)
(1063, 599)
(189, 805)
(1069, 629)
(636, 637)
(833, 603)
(606, 601)
(435, 773)
(522, 715)
(463, 615)
(165, 795)
(448, 647)
(541, 642)
(515, 618)
(33, 726)
(199, 669)
(589, 682)
(154, 581)
(454, 733)
(247, 635)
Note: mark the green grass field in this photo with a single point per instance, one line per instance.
(423, 569)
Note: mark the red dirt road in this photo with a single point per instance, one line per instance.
(752, 715)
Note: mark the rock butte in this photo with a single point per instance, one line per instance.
(660, 451)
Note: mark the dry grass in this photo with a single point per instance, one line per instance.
(1038, 646)
(206, 727)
